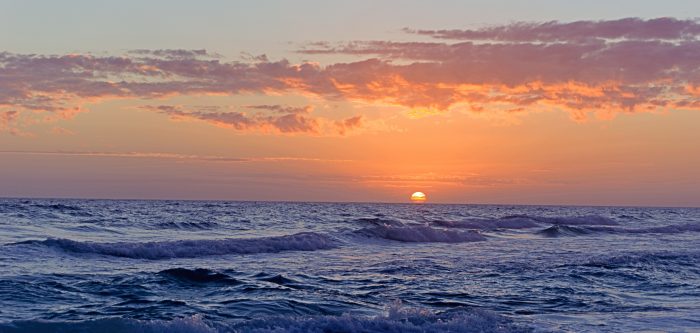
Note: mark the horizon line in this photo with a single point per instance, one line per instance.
(408, 202)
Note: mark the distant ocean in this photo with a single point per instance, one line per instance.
(205, 266)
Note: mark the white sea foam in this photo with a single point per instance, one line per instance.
(305, 241)
(396, 320)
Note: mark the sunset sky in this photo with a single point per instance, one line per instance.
(516, 102)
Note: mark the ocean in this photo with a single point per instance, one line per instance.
(215, 266)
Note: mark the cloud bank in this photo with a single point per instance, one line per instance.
(606, 67)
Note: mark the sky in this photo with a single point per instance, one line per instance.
(503, 102)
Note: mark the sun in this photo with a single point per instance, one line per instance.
(418, 197)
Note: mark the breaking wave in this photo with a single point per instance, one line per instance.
(396, 320)
(305, 241)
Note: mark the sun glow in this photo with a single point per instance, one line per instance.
(418, 197)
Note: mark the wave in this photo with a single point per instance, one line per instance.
(397, 320)
(563, 230)
(674, 229)
(508, 222)
(377, 221)
(198, 275)
(305, 241)
(466, 320)
(59, 207)
(578, 220)
(672, 258)
(525, 222)
(420, 234)
(189, 225)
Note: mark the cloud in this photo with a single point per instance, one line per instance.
(264, 118)
(349, 124)
(626, 65)
(606, 67)
(174, 54)
(282, 109)
(56, 130)
(8, 121)
(667, 28)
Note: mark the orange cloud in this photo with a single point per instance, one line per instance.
(604, 67)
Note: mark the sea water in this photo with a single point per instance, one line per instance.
(212, 266)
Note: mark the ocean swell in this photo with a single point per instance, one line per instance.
(305, 241)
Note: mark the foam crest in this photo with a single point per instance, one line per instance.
(396, 320)
(420, 234)
(305, 241)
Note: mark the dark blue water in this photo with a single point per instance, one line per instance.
(178, 266)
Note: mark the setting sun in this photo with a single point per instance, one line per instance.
(418, 197)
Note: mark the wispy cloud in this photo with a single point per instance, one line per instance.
(264, 118)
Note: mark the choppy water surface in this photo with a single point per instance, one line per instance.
(178, 266)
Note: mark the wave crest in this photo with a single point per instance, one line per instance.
(563, 230)
(305, 241)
